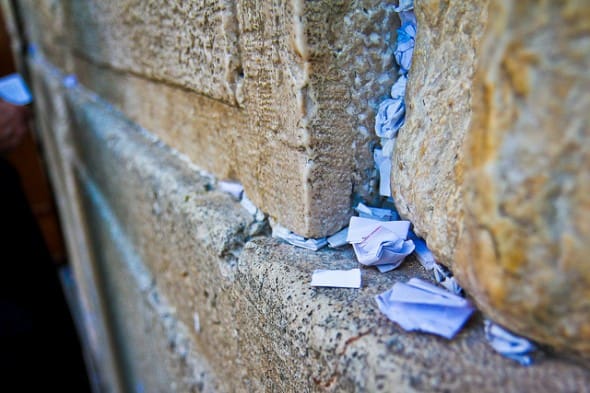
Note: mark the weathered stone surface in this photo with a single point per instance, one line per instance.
(306, 76)
(261, 327)
(157, 354)
(187, 43)
(527, 173)
(313, 72)
(494, 161)
(427, 171)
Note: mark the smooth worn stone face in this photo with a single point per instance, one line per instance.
(493, 164)
(524, 254)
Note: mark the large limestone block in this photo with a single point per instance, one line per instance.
(313, 72)
(525, 252)
(428, 160)
(493, 164)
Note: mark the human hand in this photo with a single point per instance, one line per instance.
(13, 125)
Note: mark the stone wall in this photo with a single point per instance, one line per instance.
(181, 290)
(279, 96)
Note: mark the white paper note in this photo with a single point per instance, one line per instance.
(508, 344)
(360, 227)
(419, 305)
(338, 239)
(375, 213)
(233, 188)
(336, 278)
(278, 231)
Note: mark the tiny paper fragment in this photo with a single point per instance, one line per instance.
(508, 344)
(375, 213)
(423, 253)
(445, 278)
(70, 81)
(14, 90)
(336, 278)
(251, 208)
(280, 232)
(419, 305)
(233, 188)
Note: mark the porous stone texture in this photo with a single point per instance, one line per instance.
(492, 166)
(427, 170)
(527, 173)
(200, 304)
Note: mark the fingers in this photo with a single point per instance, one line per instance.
(13, 125)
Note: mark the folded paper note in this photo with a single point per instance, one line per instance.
(391, 112)
(419, 305)
(508, 344)
(251, 208)
(336, 278)
(360, 227)
(338, 239)
(379, 242)
(14, 90)
(406, 35)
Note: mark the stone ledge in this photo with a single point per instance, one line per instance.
(261, 326)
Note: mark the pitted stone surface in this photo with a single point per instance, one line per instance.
(261, 326)
(192, 44)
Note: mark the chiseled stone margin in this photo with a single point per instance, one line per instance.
(261, 325)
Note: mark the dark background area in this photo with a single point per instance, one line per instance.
(39, 347)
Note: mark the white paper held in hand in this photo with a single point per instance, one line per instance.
(336, 278)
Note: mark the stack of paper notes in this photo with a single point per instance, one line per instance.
(419, 305)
